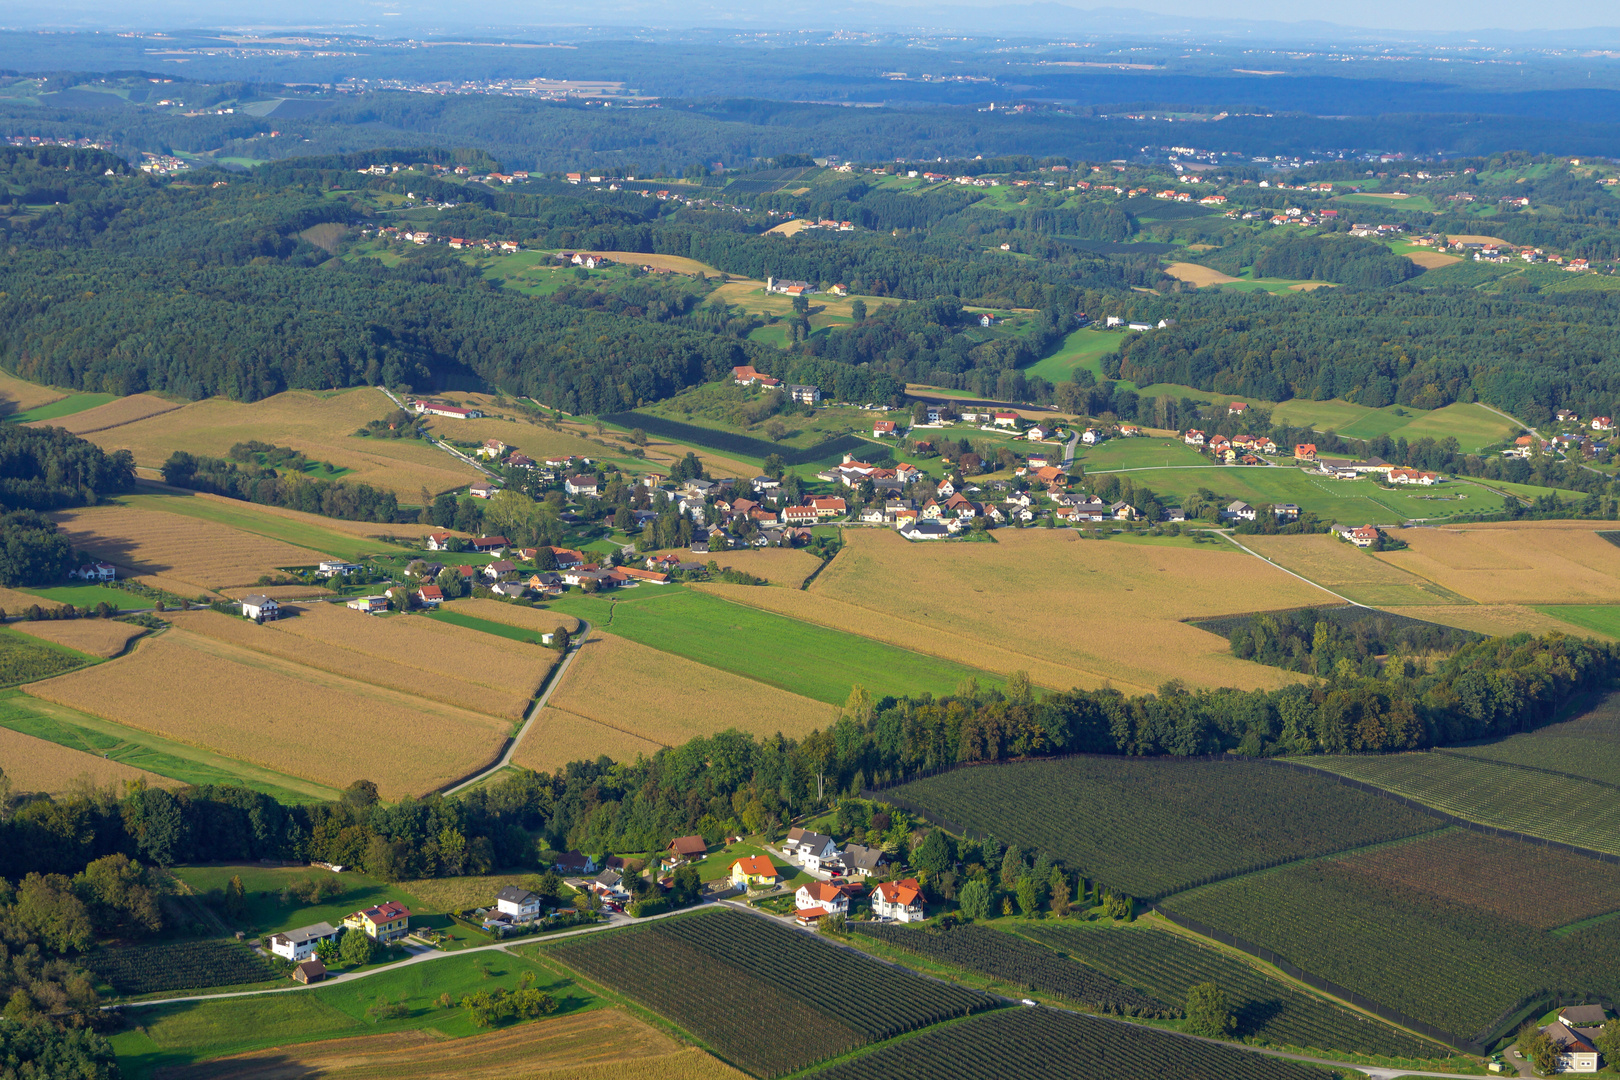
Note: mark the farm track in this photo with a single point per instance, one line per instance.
(557, 673)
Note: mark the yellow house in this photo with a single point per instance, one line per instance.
(385, 922)
(753, 872)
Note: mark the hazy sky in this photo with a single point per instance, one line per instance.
(1022, 17)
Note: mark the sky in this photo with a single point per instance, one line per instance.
(1401, 16)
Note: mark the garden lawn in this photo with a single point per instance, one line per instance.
(718, 865)
(179, 761)
(183, 1033)
(1139, 453)
(1598, 618)
(815, 661)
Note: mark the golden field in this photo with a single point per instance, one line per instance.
(19, 395)
(1198, 274)
(413, 655)
(1432, 260)
(780, 566)
(37, 765)
(664, 452)
(524, 618)
(320, 426)
(15, 602)
(281, 715)
(277, 592)
(1352, 572)
(557, 737)
(668, 699)
(1492, 620)
(159, 496)
(582, 1046)
(1071, 612)
(113, 414)
(1532, 562)
(98, 637)
(202, 554)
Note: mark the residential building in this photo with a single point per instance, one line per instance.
(96, 571)
(925, 530)
(880, 428)
(688, 848)
(1285, 511)
(520, 904)
(1194, 437)
(822, 895)
(829, 507)
(492, 448)
(1413, 476)
(1238, 511)
(754, 872)
(1305, 451)
(1365, 536)
(300, 944)
(438, 541)
(863, 861)
(1005, 419)
(580, 485)
(1576, 1051)
(431, 595)
(370, 605)
(1602, 423)
(433, 408)
(899, 900)
(804, 395)
(572, 862)
(609, 885)
(386, 922)
(488, 545)
(811, 849)
(260, 608)
(1237, 408)
(482, 489)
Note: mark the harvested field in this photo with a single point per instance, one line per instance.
(780, 566)
(1536, 886)
(954, 600)
(1197, 274)
(113, 414)
(37, 765)
(1349, 571)
(1470, 238)
(668, 699)
(1310, 286)
(202, 504)
(533, 439)
(98, 637)
(559, 737)
(201, 554)
(1553, 562)
(14, 601)
(321, 426)
(677, 263)
(582, 1046)
(18, 395)
(1497, 620)
(278, 592)
(664, 452)
(281, 715)
(412, 655)
(524, 618)
(1432, 260)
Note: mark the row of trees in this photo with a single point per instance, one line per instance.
(292, 490)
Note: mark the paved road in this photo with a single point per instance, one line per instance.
(539, 703)
(1069, 448)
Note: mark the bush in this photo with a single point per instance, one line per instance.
(651, 906)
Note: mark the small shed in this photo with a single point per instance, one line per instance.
(310, 971)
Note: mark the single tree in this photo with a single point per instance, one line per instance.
(976, 899)
(1012, 867)
(1208, 1013)
(1029, 898)
(357, 948)
(934, 854)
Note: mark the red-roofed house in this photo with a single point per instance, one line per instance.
(1005, 419)
(899, 900)
(1237, 408)
(881, 428)
(651, 576)
(1413, 476)
(829, 507)
(438, 541)
(1305, 451)
(821, 894)
(1366, 536)
(431, 595)
(798, 515)
(385, 922)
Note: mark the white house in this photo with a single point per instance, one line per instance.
(96, 571)
(810, 849)
(336, 568)
(1576, 1052)
(609, 885)
(829, 899)
(863, 861)
(438, 541)
(925, 530)
(300, 944)
(368, 604)
(1238, 511)
(260, 608)
(580, 485)
(1091, 437)
(899, 900)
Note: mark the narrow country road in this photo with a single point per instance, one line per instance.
(1069, 448)
(452, 451)
(1239, 545)
(539, 703)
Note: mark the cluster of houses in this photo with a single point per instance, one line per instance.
(799, 394)
(1238, 450)
(1567, 442)
(422, 237)
(425, 407)
(385, 923)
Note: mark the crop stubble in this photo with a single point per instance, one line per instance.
(281, 715)
(1347, 570)
(412, 655)
(113, 414)
(198, 553)
(38, 765)
(668, 699)
(98, 637)
(558, 737)
(1550, 562)
(1071, 612)
(320, 426)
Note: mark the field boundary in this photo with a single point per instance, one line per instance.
(1528, 768)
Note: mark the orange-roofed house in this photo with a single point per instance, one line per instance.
(1305, 451)
(754, 872)
(899, 900)
(831, 899)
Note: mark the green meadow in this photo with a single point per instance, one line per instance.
(66, 406)
(799, 657)
(1597, 618)
(261, 523)
(1471, 424)
(169, 1036)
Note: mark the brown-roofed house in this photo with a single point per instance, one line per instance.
(688, 847)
